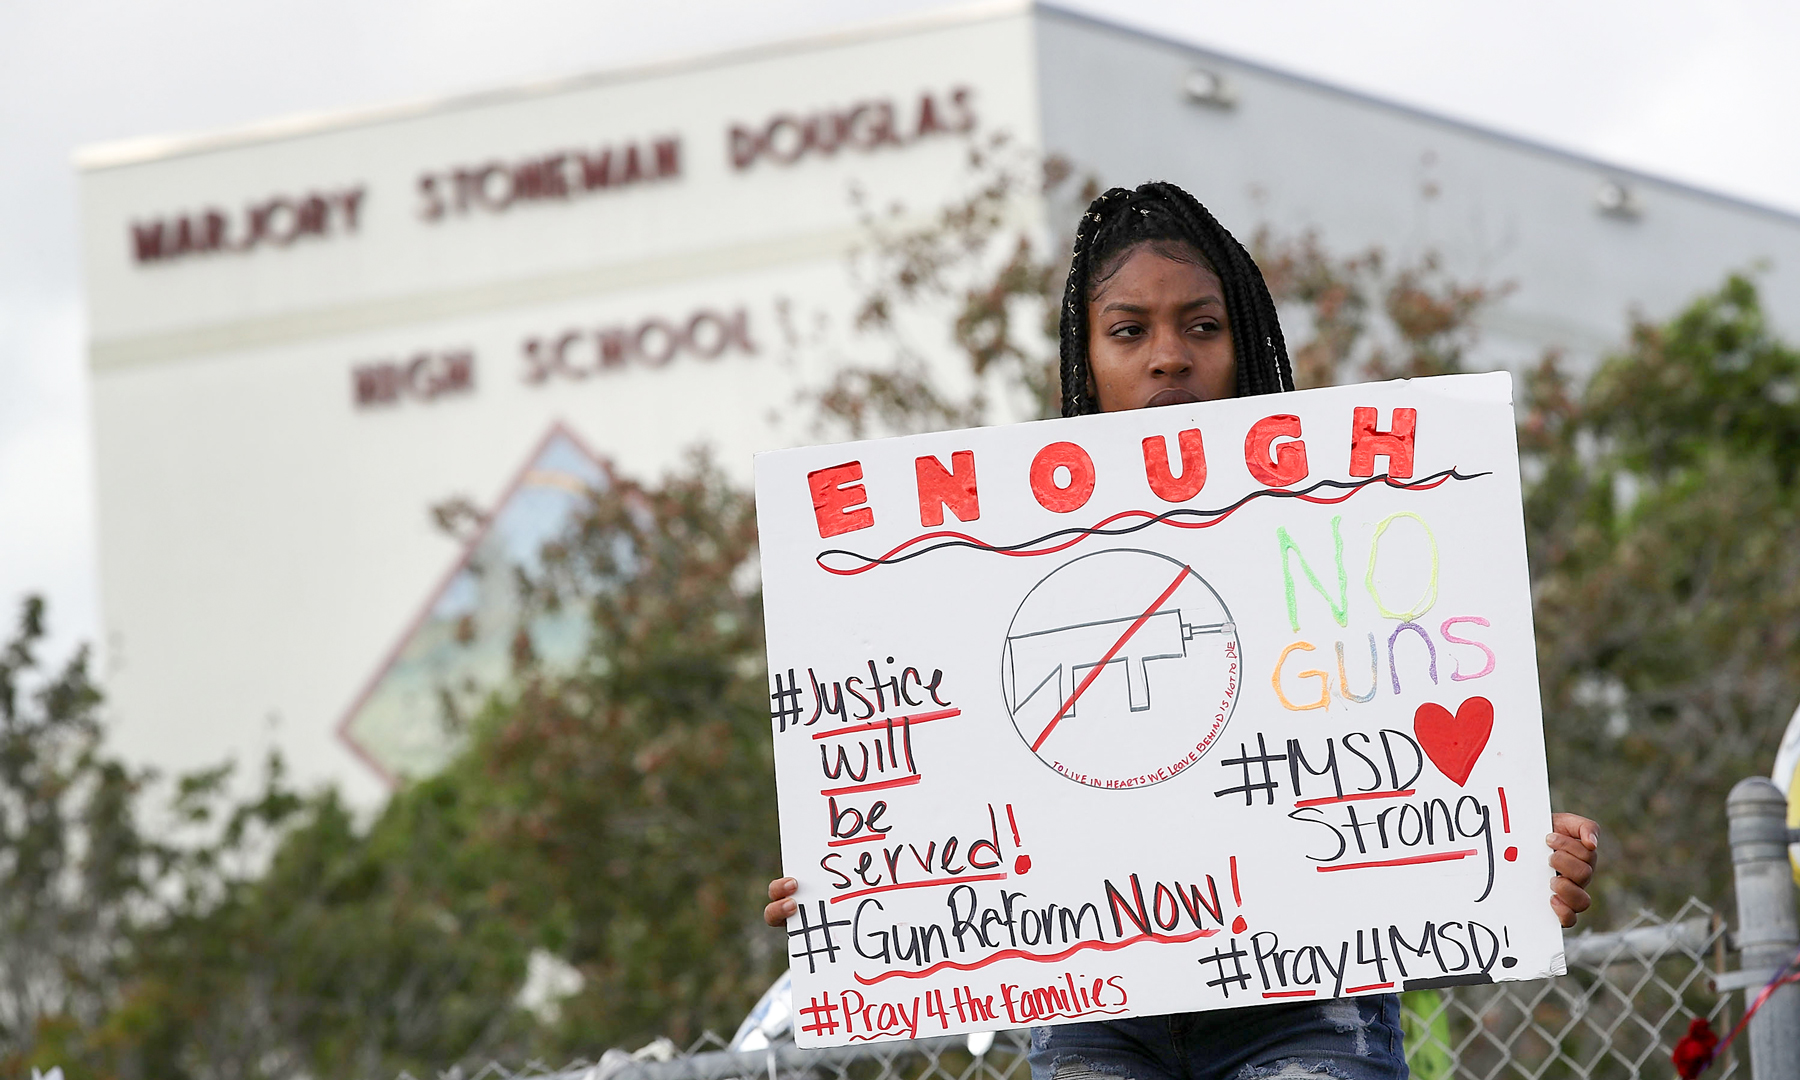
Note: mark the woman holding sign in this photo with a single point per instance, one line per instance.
(1165, 307)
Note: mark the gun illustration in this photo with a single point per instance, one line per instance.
(1059, 658)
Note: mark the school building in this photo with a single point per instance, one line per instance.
(306, 333)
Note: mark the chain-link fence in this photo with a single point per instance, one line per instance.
(1629, 995)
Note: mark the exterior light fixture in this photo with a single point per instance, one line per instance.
(1614, 199)
(1205, 87)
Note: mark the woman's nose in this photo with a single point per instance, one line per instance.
(1168, 359)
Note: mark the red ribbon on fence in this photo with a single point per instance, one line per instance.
(1700, 1047)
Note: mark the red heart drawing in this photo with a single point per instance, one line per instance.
(1453, 743)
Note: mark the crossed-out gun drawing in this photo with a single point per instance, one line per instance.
(1060, 658)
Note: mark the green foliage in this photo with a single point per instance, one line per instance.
(1713, 382)
(620, 817)
(1359, 319)
(971, 267)
(354, 953)
(1000, 291)
(71, 861)
(1662, 520)
(643, 785)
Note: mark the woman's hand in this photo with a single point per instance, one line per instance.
(781, 903)
(1574, 844)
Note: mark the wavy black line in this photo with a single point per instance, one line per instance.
(1202, 519)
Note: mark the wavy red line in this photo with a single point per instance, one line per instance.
(881, 725)
(926, 884)
(904, 781)
(1037, 958)
(1051, 1016)
(951, 534)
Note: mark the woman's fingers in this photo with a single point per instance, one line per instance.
(1571, 859)
(1574, 850)
(777, 913)
(1577, 827)
(781, 905)
(1562, 912)
(1567, 900)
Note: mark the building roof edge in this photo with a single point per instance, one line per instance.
(137, 151)
(1467, 127)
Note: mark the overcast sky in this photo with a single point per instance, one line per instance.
(1701, 92)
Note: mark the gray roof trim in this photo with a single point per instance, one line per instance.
(1786, 217)
(137, 151)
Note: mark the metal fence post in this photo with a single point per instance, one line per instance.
(1767, 934)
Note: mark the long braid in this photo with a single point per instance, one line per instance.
(1119, 219)
(1076, 400)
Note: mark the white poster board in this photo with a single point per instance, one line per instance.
(1177, 709)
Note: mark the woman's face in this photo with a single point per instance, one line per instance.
(1157, 334)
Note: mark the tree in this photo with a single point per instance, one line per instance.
(353, 953)
(620, 817)
(644, 783)
(968, 268)
(999, 290)
(1360, 320)
(82, 879)
(72, 862)
(1662, 519)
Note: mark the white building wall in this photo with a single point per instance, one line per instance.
(264, 539)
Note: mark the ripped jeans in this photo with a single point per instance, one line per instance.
(1343, 1039)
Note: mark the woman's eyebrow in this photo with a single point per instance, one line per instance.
(1139, 309)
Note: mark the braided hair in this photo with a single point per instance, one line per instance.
(1163, 214)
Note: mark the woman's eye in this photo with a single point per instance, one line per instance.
(1206, 326)
(1127, 330)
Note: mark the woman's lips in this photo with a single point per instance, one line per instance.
(1174, 395)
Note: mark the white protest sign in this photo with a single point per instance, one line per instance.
(1176, 709)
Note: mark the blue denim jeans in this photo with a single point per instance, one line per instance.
(1343, 1039)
